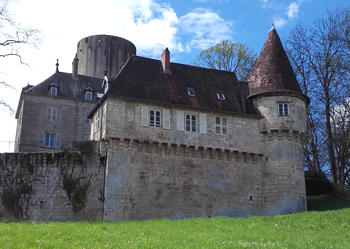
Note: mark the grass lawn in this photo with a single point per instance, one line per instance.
(329, 229)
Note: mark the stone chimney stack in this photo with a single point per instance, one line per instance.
(75, 66)
(166, 60)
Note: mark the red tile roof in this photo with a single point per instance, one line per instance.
(144, 79)
(273, 71)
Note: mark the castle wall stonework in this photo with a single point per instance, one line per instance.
(153, 180)
(49, 186)
(149, 180)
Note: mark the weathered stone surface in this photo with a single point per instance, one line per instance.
(38, 180)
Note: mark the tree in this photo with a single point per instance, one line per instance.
(320, 57)
(229, 56)
(12, 36)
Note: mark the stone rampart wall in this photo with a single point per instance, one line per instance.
(149, 180)
(52, 186)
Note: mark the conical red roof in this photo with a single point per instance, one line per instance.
(273, 72)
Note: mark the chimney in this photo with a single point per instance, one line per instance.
(166, 61)
(75, 66)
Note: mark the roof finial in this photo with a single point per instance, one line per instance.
(273, 26)
(57, 64)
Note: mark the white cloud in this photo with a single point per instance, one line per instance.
(279, 22)
(290, 12)
(206, 28)
(293, 10)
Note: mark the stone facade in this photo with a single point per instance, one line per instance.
(70, 122)
(171, 141)
(152, 172)
(39, 186)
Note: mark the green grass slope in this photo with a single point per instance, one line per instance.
(330, 229)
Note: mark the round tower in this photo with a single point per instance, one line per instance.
(101, 55)
(276, 93)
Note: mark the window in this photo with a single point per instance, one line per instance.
(53, 91)
(87, 120)
(154, 118)
(51, 113)
(88, 95)
(97, 120)
(190, 91)
(191, 122)
(220, 96)
(49, 140)
(283, 109)
(221, 125)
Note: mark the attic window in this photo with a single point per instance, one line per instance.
(190, 91)
(88, 95)
(220, 96)
(53, 91)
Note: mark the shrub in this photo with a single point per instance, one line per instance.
(317, 183)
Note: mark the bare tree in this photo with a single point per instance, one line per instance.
(12, 37)
(320, 57)
(229, 56)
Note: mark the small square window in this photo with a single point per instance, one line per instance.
(283, 109)
(88, 95)
(220, 96)
(190, 91)
(53, 91)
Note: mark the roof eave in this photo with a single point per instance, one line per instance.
(302, 96)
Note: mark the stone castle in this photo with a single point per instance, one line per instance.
(166, 140)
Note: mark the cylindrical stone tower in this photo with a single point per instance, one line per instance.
(276, 93)
(101, 55)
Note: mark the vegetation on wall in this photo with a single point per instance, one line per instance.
(77, 190)
(17, 180)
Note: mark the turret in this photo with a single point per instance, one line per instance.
(276, 93)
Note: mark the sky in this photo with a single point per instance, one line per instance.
(184, 26)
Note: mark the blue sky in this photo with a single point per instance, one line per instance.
(185, 26)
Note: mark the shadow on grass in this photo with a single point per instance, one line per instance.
(326, 203)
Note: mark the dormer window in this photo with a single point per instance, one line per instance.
(53, 91)
(190, 91)
(220, 96)
(88, 95)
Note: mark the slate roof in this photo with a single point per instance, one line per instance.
(144, 79)
(273, 71)
(68, 86)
